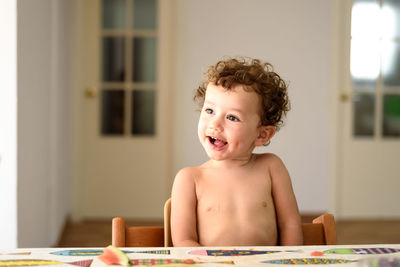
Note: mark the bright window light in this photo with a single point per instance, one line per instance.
(365, 20)
(365, 59)
(388, 19)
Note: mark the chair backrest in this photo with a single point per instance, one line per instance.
(167, 223)
(142, 236)
(322, 231)
(136, 236)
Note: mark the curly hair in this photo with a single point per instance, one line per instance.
(253, 75)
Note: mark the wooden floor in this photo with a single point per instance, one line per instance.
(98, 233)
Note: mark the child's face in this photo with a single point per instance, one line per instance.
(229, 124)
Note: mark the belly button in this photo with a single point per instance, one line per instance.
(264, 204)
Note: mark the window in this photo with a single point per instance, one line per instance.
(129, 60)
(375, 68)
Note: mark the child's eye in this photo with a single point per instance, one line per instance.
(232, 118)
(209, 111)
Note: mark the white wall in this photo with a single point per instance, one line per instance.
(8, 124)
(34, 182)
(295, 36)
(43, 123)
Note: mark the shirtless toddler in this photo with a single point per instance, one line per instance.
(237, 198)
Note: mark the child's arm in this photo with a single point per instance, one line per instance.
(184, 210)
(288, 217)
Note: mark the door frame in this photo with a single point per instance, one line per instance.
(339, 58)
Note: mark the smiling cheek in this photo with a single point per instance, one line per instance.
(242, 136)
(201, 129)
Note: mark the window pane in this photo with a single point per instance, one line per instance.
(364, 107)
(391, 64)
(364, 63)
(391, 115)
(114, 14)
(143, 112)
(144, 59)
(391, 18)
(364, 17)
(112, 112)
(144, 14)
(113, 64)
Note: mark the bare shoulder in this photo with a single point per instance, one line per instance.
(274, 165)
(188, 173)
(186, 179)
(269, 159)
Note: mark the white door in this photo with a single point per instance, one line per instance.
(369, 154)
(125, 168)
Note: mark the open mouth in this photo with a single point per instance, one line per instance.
(217, 142)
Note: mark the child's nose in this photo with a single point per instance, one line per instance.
(216, 124)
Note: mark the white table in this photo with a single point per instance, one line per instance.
(356, 255)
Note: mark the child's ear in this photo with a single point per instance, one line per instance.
(264, 135)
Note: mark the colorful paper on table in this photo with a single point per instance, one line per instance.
(33, 262)
(362, 251)
(301, 261)
(234, 252)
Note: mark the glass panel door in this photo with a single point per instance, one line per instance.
(369, 124)
(123, 157)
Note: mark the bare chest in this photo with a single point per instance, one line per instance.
(228, 192)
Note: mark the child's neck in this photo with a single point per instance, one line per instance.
(232, 163)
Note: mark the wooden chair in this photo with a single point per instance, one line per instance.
(142, 236)
(167, 223)
(322, 231)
